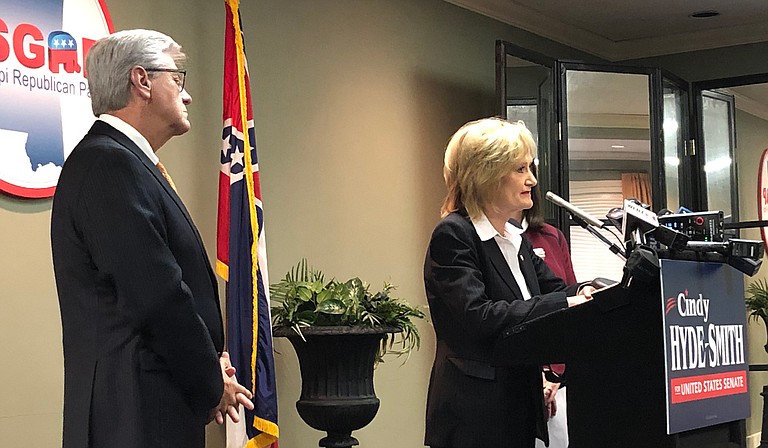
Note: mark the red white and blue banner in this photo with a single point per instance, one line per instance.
(45, 105)
(705, 344)
(241, 255)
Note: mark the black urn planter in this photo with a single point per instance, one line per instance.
(337, 393)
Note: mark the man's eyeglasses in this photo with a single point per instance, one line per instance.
(180, 78)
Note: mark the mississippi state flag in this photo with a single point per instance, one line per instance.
(241, 254)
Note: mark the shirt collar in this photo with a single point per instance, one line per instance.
(486, 231)
(132, 134)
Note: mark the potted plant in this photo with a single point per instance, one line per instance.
(340, 330)
(757, 302)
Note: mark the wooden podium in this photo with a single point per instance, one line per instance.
(614, 350)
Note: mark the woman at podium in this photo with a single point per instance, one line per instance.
(481, 276)
(550, 245)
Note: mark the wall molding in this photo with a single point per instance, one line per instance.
(529, 20)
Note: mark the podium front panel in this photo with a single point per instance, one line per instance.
(613, 347)
(705, 344)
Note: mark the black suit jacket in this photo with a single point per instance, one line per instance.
(138, 299)
(473, 297)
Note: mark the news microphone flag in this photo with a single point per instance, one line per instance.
(241, 253)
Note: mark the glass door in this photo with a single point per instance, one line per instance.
(525, 86)
(609, 153)
(599, 132)
(676, 142)
(732, 130)
(718, 144)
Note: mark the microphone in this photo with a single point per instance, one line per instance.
(586, 221)
(734, 247)
(667, 236)
(671, 237)
(575, 212)
(743, 255)
(637, 222)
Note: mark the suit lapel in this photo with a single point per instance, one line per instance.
(526, 266)
(100, 127)
(500, 264)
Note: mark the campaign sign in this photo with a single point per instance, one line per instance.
(45, 106)
(705, 344)
(762, 196)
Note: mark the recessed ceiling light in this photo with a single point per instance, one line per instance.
(617, 146)
(704, 14)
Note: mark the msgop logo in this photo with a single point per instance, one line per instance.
(45, 106)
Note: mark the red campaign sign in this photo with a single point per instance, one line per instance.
(692, 388)
(762, 195)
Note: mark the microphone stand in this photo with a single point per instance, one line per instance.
(611, 246)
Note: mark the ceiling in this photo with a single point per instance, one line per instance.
(622, 29)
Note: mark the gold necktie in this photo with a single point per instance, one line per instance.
(165, 174)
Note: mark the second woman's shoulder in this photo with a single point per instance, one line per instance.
(552, 231)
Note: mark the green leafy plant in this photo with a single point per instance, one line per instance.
(306, 299)
(757, 299)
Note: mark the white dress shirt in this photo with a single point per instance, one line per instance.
(509, 243)
(132, 134)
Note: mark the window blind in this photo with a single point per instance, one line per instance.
(591, 258)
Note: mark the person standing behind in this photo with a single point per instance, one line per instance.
(481, 278)
(548, 241)
(550, 245)
(144, 365)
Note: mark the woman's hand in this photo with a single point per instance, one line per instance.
(576, 300)
(550, 390)
(587, 291)
(584, 295)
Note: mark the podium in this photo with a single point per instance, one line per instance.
(614, 350)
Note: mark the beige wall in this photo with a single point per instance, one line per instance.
(751, 140)
(354, 101)
(31, 373)
(31, 378)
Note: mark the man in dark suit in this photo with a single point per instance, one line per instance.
(482, 277)
(143, 343)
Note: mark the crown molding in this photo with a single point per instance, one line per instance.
(750, 106)
(545, 26)
(699, 40)
(529, 20)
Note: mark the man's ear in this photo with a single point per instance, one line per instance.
(140, 82)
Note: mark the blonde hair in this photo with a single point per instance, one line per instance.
(477, 157)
